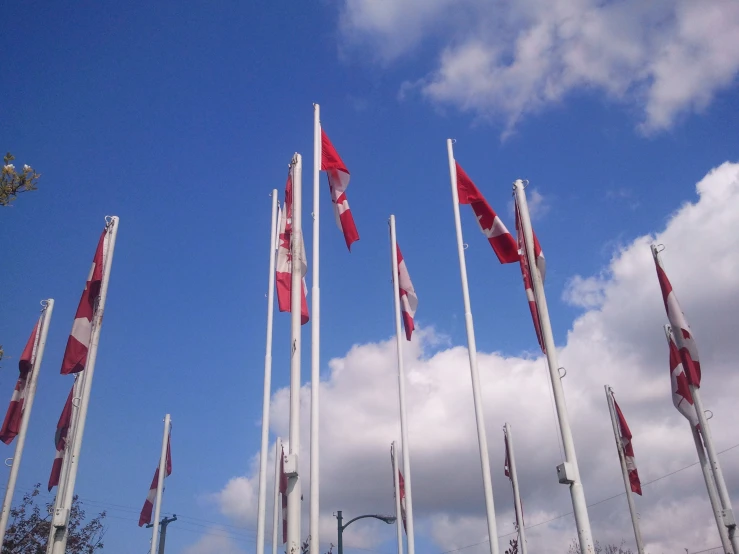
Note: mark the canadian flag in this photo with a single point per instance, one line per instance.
(338, 181)
(526, 273)
(12, 422)
(283, 495)
(681, 396)
(75, 355)
(401, 488)
(625, 433)
(680, 328)
(283, 273)
(408, 298)
(503, 243)
(146, 511)
(60, 440)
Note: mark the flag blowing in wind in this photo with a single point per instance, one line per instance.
(60, 440)
(503, 243)
(680, 328)
(526, 270)
(75, 355)
(681, 396)
(338, 181)
(625, 437)
(146, 511)
(284, 267)
(12, 422)
(408, 298)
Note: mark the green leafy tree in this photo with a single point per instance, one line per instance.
(14, 182)
(28, 531)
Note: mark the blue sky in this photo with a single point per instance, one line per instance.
(180, 119)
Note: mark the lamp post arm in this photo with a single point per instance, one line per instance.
(387, 520)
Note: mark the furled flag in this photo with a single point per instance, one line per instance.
(507, 471)
(60, 440)
(408, 298)
(146, 511)
(75, 355)
(526, 273)
(338, 181)
(681, 396)
(680, 328)
(503, 243)
(12, 422)
(284, 265)
(283, 494)
(625, 436)
(401, 489)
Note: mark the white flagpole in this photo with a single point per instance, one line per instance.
(30, 393)
(401, 394)
(60, 518)
(712, 494)
(296, 291)
(160, 485)
(482, 440)
(396, 486)
(276, 509)
(522, 548)
(624, 471)
(568, 472)
(315, 347)
(262, 501)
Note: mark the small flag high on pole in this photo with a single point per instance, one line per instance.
(526, 274)
(628, 446)
(148, 508)
(338, 181)
(60, 440)
(285, 262)
(408, 298)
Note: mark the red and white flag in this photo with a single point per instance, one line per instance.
(680, 328)
(408, 298)
(503, 243)
(60, 440)
(681, 396)
(625, 436)
(401, 488)
(526, 273)
(146, 511)
(283, 494)
(75, 355)
(338, 181)
(12, 422)
(284, 264)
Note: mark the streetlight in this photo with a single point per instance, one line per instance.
(387, 519)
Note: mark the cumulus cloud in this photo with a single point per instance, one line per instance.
(505, 59)
(616, 340)
(214, 543)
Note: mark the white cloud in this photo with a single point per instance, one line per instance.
(214, 543)
(616, 340)
(505, 59)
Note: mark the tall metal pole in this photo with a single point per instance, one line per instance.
(163, 537)
(296, 291)
(401, 394)
(60, 518)
(315, 347)
(30, 393)
(398, 509)
(624, 471)
(276, 519)
(487, 483)
(160, 483)
(340, 539)
(264, 454)
(522, 548)
(712, 494)
(569, 472)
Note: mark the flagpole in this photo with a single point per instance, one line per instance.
(522, 548)
(315, 360)
(569, 472)
(296, 291)
(396, 486)
(262, 502)
(60, 518)
(276, 508)
(401, 394)
(29, 394)
(474, 372)
(624, 471)
(160, 485)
